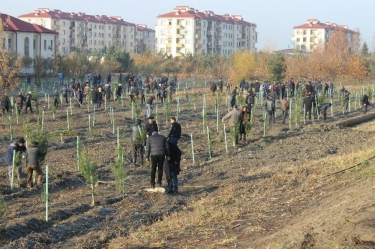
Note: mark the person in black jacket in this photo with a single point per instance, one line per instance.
(157, 149)
(250, 100)
(5, 103)
(151, 126)
(307, 102)
(175, 131)
(17, 146)
(172, 169)
(365, 101)
(29, 97)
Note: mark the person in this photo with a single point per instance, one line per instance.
(365, 101)
(175, 131)
(346, 95)
(137, 142)
(324, 108)
(86, 90)
(307, 102)
(284, 108)
(119, 92)
(5, 103)
(19, 102)
(234, 119)
(151, 126)
(270, 105)
(28, 99)
(250, 100)
(16, 147)
(220, 84)
(243, 123)
(33, 155)
(331, 86)
(149, 105)
(326, 87)
(56, 98)
(213, 87)
(79, 96)
(233, 99)
(157, 149)
(64, 91)
(94, 97)
(99, 96)
(172, 169)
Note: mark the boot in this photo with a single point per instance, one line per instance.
(244, 137)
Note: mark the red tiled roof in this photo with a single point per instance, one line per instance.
(144, 28)
(11, 23)
(57, 14)
(315, 24)
(187, 12)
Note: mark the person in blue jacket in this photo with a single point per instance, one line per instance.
(324, 108)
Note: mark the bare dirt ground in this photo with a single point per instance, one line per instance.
(276, 191)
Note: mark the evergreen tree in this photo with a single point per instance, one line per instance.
(277, 67)
(365, 51)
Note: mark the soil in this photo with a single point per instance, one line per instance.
(279, 186)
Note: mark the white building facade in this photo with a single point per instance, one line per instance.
(81, 32)
(27, 39)
(145, 39)
(188, 31)
(307, 36)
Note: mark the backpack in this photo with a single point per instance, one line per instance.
(19, 100)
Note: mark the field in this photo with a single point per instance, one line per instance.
(281, 188)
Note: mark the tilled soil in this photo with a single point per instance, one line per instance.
(271, 164)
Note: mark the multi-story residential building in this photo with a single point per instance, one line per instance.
(26, 39)
(145, 39)
(188, 31)
(78, 31)
(307, 36)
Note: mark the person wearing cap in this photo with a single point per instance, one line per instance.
(151, 126)
(33, 155)
(234, 120)
(16, 147)
(138, 141)
(29, 97)
(119, 92)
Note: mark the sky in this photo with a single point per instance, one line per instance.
(275, 19)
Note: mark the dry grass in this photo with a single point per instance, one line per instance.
(228, 216)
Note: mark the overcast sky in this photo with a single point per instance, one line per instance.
(274, 18)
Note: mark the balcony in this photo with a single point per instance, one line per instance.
(178, 54)
(312, 35)
(169, 36)
(198, 27)
(169, 45)
(56, 27)
(179, 36)
(198, 45)
(218, 29)
(197, 36)
(179, 27)
(179, 45)
(169, 26)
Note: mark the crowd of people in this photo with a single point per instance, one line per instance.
(148, 145)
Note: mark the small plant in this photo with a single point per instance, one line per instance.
(88, 168)
(118, 169)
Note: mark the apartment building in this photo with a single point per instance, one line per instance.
(307, 36)
(26, 39)
(78, 31)
(145, 39)
(185, 31)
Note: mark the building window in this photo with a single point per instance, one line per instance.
(26, 46)
(298, 40)
(63, 32)
(45, 45)
(187, 22)
(304, 32)
(304, 39)
(34, 46)
(63, 23)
